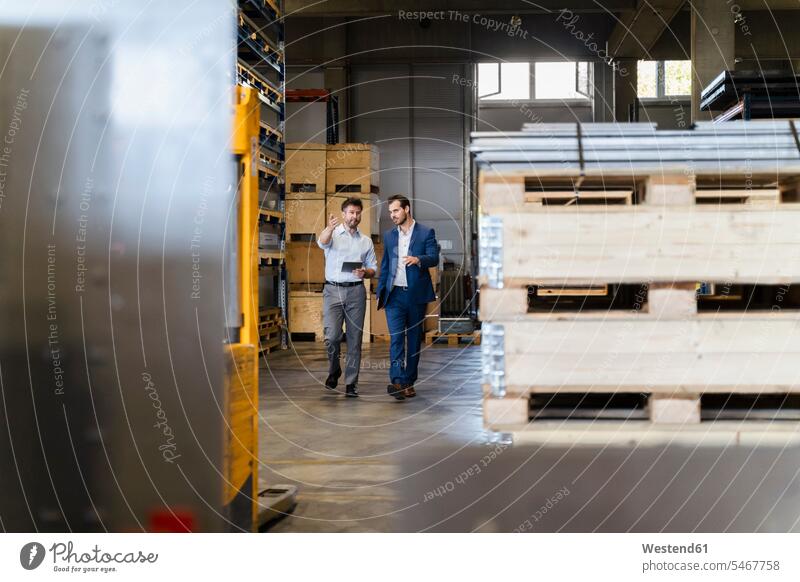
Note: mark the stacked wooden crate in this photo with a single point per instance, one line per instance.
(319, 178)
(305, 219)
(352, 170)
(305, 188)
(713, 209)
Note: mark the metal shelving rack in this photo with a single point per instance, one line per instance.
(260, 64)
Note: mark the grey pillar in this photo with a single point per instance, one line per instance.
(713, 35)
(625, 89)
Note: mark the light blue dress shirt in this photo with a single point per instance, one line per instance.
(347, 247)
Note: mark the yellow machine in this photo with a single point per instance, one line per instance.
(247, 506)
(241, 438)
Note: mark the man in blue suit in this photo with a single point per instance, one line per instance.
(405, 289)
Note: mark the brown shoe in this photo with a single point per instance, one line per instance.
(408, 391)
(396, 390)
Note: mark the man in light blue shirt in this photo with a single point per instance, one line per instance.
(344, 297)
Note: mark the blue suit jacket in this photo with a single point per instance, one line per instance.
(425, 248)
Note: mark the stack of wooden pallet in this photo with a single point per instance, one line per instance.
(590, 269)
(319, 178)
(269, 329)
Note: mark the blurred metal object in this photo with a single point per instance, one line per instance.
(115, 189)
(453, 304)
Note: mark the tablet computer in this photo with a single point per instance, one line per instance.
(349, 266)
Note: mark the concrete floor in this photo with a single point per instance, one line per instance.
(343, 453)
(373, 464)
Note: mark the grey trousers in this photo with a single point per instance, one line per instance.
(344, 305)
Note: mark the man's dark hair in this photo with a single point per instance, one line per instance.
(404, 202)
(352, 201)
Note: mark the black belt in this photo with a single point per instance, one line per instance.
(350, 284)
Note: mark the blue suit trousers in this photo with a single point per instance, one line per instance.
(406, 321)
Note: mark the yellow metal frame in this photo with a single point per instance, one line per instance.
(241, 382)
(245, 145)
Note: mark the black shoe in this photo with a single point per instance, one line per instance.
(351, 390)
(332, 382)
(396, 390)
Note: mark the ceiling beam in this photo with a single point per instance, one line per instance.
(355, 8)
(637, 32)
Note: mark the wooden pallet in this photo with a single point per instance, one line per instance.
(302, 336)
(665, 241)
(352, 181)
(665, 238)
(269, 314)
(453, 339)
(269, 329)
(270, 324)
(307, 287)
(547, 190)
(643, 408)
(663, 347)
(269, 346)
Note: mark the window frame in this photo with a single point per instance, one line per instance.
(489, 103)
(661, 85)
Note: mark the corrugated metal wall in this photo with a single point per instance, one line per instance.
(417, 115)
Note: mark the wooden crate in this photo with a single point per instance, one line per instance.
(659, 346)
(305, 169)
(304, 216)
(370, 214)
(366, 335)
(352, 181)
(379, 329)
(305, 263)
(432, 315)
(305, 314)
(453, 339)
(353, 155)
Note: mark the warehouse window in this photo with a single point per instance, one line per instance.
(659, 79)
(562, 80)
(504, 81)
(527, 81)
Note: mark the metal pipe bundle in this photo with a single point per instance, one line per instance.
(736, 147)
